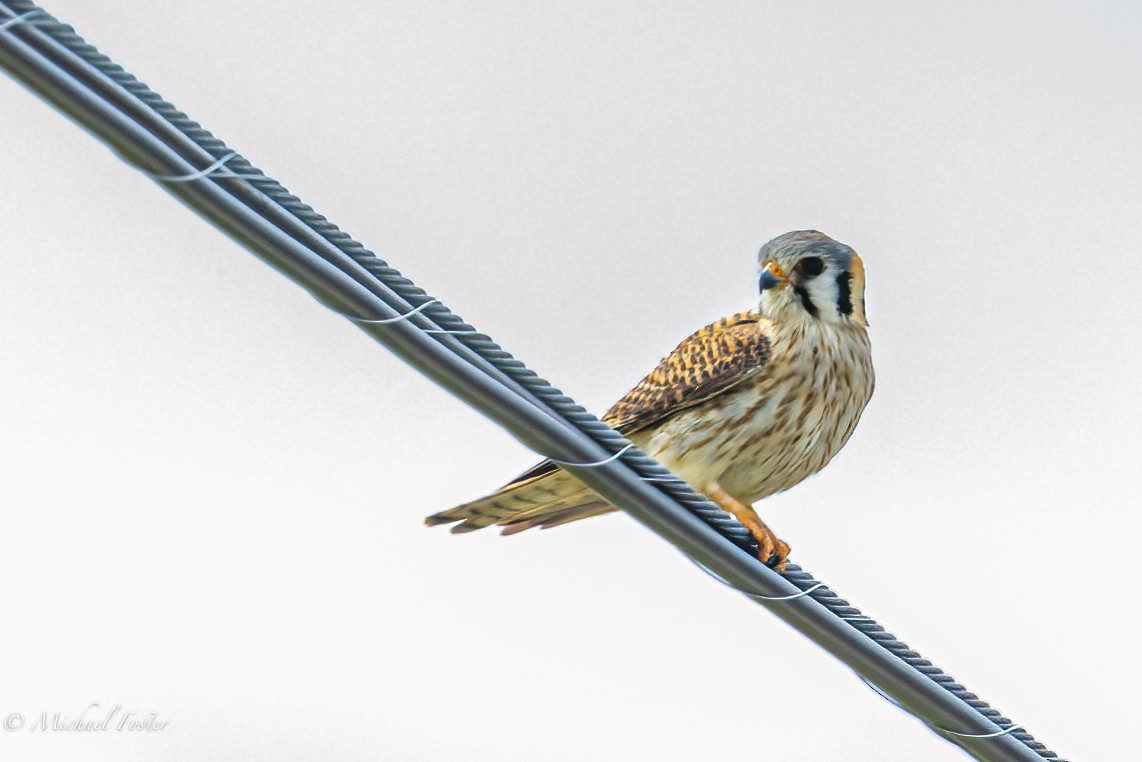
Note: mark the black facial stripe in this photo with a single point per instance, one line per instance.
(806, 302)
(845, 293)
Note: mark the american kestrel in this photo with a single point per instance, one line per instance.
(742, 409)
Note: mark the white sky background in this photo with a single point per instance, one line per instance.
(212, 488)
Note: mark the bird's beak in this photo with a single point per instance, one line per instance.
(771, 277)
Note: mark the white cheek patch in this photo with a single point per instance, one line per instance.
(823, 291)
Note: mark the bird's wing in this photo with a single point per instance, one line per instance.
(712, 360)
(709, 362)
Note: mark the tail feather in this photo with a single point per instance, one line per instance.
(545, 500)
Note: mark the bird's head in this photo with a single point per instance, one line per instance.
(805, 276)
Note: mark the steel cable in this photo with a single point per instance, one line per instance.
(413, 304)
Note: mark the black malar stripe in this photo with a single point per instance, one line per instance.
(845, 293)
(806, 302)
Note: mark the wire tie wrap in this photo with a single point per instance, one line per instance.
(24, 18)
(597, 463)
(996, 734)
(757, 596)
(397, 319)
(779, 598)
(217, 169)
(945, 731)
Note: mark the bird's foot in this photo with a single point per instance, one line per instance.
(772, 550)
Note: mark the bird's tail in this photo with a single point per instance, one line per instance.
(549, 498)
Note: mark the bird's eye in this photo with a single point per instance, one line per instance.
(811, 267)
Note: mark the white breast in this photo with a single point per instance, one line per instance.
(778, 427)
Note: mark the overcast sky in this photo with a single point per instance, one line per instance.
(212, 488)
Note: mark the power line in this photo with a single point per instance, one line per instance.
(50, 59)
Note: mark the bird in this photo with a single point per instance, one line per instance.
(743, 408)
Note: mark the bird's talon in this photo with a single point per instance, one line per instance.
(774, 552)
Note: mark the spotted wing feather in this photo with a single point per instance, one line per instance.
(707, 363)
(710, 361)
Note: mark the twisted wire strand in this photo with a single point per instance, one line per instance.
(842, 609)
(726, 525)
(481, 344)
